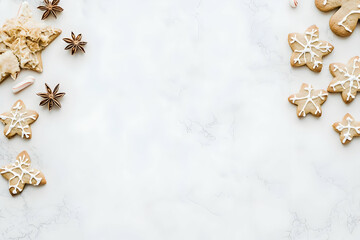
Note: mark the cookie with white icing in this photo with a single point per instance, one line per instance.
(348, 128)
(22, 39)
(18, 120)
(308, 49)
(20, 173)
(308, 100)
(344, 21)
(346, 79)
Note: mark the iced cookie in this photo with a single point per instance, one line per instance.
(344, 21)
(346, 79)
(308, 100)
(308, 49)
(18, 120)
(347, 128)
(19, 173)
(21, 41)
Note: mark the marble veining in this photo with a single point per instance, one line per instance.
(176, 125)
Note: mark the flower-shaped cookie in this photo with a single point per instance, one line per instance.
(19, 173)
(346, 79)
(344, 21)
(18, 120)
(308, 49)
(347, 128)
(308, 100)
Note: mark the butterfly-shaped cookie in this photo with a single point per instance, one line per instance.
(20, 173)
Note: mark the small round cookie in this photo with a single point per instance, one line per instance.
(308, 100)
(344, 21)
(346, 79)
(308, 49)
(348, 128)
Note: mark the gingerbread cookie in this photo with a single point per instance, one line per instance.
(18, 120)
(19, 173)
(21, 42)
(308, 100)
(344, 21)
(308, 49)
(347, 128)
(346, 79)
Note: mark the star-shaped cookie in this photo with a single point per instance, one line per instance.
(308, 49)
(23, 39)
(344, 21)
(18, 120)
(346, 79)
(348, 128)
(19, 173)
(308, 100)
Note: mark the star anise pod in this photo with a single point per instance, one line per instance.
(75, 43)
(51, 97)
(50, 8)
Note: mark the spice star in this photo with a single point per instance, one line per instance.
(51, 97)
(50, 8)
(75, 43)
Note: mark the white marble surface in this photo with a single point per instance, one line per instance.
(176, 125)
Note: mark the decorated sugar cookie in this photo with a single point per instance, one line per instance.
(20, 173)
(346, 79)
(308, 49)
(344, 21)
(308, 100)
(348, 128)
(18, 120)
(22, 39)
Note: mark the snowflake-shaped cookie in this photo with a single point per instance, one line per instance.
(18, 120)
(346, 79)
(344, 21)
(308, 49)
(347, 128)
(19, 173)
(308, 100)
